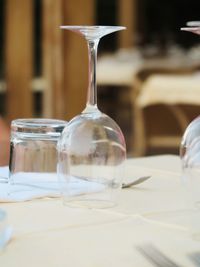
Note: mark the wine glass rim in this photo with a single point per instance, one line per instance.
(91, 27)
(190, 28)
(195, 29)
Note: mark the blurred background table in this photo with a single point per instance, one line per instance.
(161, 96)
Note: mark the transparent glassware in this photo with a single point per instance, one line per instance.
(92, 149)
(188, 142)
(190, 158)
(192, 26)
(33, 152)
(187, 217)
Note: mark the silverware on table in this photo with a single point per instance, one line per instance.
(136, 182)
(155, 256)
(124, 185)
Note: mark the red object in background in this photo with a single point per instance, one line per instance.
(4, 143)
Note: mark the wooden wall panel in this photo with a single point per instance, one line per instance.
(53, 62)
(19, 57)
(65, 61)
(127, 12)
(76, 58)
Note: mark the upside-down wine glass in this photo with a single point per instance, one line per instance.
(189, 152)
(91, 150)
(187, 216)
(190, 157)
(189, 148)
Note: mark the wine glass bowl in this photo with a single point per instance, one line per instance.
(188, 143)
(190, 158)
(92, 153)
(92, 149)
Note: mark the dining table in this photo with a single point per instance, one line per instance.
(120, 68)
(47, 233)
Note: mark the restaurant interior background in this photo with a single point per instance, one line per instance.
(43, 70)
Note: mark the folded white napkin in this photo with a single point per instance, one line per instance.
(23, 192)
(41, 185)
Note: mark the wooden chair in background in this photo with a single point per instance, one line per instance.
(160, 124)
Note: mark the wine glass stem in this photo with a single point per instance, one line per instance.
(92, 87)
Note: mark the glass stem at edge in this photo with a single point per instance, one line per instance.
(92, 86)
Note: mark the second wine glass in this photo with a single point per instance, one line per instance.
(190, 158)
(92, 148)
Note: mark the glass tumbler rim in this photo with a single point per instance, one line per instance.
(37, 127)
(33, 122)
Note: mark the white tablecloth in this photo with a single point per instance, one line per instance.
(47, 233)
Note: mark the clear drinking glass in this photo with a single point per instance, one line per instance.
(92, 148)
(33, 152)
